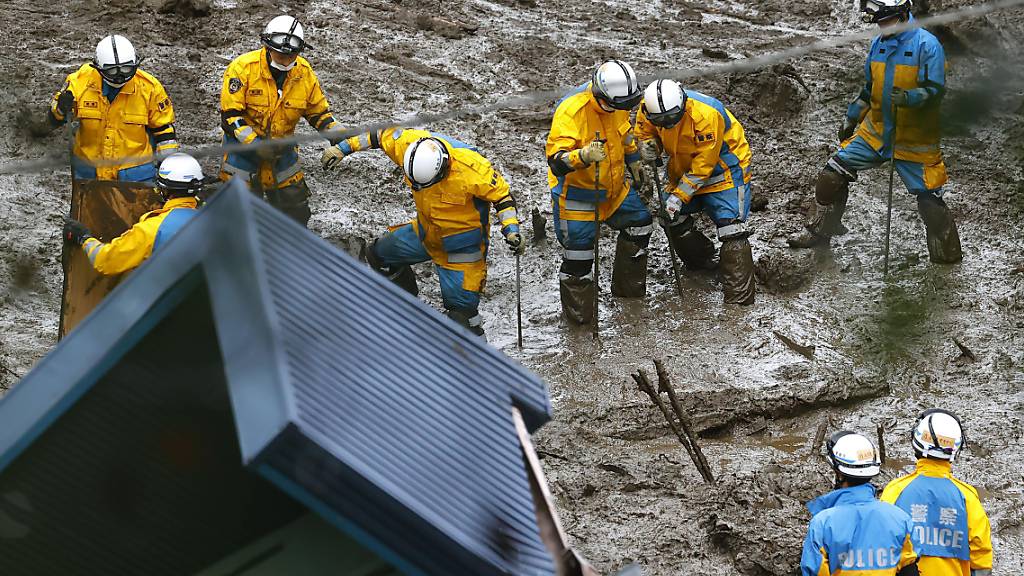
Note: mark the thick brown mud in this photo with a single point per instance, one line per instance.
(882, 349)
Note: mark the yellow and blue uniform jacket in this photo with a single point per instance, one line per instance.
(119, 128)
(914, 61)
(707, 148)
(252, 109)
(452, 216)
(140, 241)
(577, 120)
(951, 530)
(853, 534)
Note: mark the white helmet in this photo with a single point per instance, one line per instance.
(426, 162)
(853, 455)
(937, 434)
(877, 10)
(181, 175)
(284, 34)
(615, 84)
(115, 60)
(664, 103)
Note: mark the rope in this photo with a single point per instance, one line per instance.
(533, 98)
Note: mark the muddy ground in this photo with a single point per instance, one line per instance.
(883, 350)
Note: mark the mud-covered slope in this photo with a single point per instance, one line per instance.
(883, 350)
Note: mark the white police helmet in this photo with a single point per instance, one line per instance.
(852, 455)
(181, 175)
(937, 434)
(426, 162)
(615, 84)
(115, 60)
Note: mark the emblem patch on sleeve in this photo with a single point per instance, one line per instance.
(234, 85)
(164, 104)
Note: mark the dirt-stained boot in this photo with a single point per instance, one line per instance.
(831, 192)
(399, 274)
(737, 270)
(293, 200)
(629, 272)
(577, 297)
(469, 318)
(943, 238)
(696, 250)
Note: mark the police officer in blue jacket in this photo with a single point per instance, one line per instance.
(851, 532)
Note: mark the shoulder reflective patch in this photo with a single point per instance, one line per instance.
(396, 134)
(234, 85)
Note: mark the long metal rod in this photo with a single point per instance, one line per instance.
(597, 240)
(888, 213)
(671, 247)
(519, 305)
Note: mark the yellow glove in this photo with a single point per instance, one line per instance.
(593, 152)
(331, 158)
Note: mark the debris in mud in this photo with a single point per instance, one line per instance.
(819, 439)
(758, 201)
(539, 225)
(966, 354)
(683, 430)
(778, 92)
(782, 271)
(186, 8)
(805, 351)
(448, 28)
(716, 54)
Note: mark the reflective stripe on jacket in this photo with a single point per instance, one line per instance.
(852, 533)
(577, 119)
(951, 529)
(251, 107)
(123, 132)
(152, 231)
(910, 60)
(707, 149)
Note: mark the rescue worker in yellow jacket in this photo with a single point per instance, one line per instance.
(709, 171)
(899, 105)
(589, 149)
(179, 181)
(851, 532)
(951, 529)
(125, 117)
(453, 187)
(265, 94)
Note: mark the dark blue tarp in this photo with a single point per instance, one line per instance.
(357, 400)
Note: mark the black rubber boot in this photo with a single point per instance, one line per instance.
(577, 298)
(943, 237)
(629, 272)
(831, 193)
(696, 250)
(737, 269)
(401, 275)
(468, 318)
(292, 200)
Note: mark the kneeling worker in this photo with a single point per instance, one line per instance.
(709, 171)
(179, 180)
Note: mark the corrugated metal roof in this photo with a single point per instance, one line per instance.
(356, 399)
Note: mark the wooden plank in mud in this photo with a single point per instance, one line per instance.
(108, 209)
